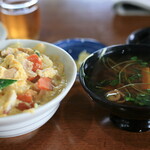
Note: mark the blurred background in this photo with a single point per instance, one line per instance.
(96, 19)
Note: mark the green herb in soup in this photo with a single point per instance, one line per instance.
(129, 81)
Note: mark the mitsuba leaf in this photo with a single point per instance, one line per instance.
(6, 82)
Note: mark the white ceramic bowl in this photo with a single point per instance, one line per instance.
(23, 123)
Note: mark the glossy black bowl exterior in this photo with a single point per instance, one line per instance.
(125, 116)
(141, 36)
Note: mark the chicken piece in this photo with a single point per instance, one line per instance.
(9, 100)
(11, 62)
(40, 96)
(7, 61)
(26, 50)
(28, 65)
(21, 56)
(47, 62)
(7, 73)
(2, 70)
(9, 50)
(10, 73)
(32, 92)
(48, 72)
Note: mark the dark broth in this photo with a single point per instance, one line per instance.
(125, 74)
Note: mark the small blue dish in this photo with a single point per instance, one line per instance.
(76, 45)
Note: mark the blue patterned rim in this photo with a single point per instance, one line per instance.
(75, 46)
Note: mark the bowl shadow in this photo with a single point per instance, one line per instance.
(78, 112)
(126, 138)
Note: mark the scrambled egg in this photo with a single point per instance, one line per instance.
(38, 79)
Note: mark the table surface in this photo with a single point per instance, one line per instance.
(79, 124)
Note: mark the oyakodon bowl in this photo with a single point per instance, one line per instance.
(23, 123)
(93, 72)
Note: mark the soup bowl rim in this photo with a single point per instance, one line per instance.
(98, 99)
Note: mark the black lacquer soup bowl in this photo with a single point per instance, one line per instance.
(140, 36)
(116, 77)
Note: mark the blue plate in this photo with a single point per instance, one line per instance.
(75, 46)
